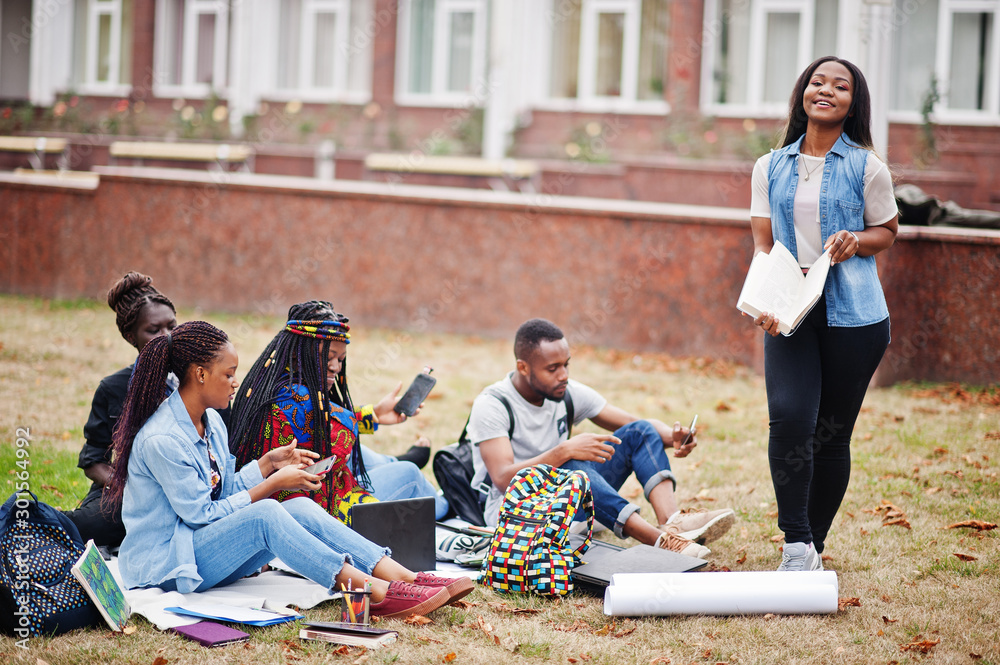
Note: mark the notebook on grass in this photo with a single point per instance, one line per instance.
(96, 579)
(406, 527)
(211, 634)
(346, 633)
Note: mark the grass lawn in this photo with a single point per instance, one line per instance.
(928, 450)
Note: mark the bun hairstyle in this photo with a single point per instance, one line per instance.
(127, 298)
(192, 343)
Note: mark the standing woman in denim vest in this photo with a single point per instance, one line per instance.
(825, 188)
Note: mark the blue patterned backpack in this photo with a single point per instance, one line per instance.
(38, 594)
(530, 551)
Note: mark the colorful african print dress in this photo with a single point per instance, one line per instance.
(292, 417)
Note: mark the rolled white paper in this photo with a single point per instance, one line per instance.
(659, 594)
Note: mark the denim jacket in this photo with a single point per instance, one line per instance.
(853, 292)
(168, 495)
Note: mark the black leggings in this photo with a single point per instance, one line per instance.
(816, 381)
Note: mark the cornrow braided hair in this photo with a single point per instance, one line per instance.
(127, 298)
(192, 343)
(296, 355)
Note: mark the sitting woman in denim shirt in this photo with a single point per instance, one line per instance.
(193, 522)
(824, 189)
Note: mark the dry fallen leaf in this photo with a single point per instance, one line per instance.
(448, 657)
(778, 538)
(965, 557)
(769, 616)
(886, 598)
(923, 646)
(975, 656)
(129, 629)
(463, 604)
(660, 660)
(899, 521)
(159, 660)
(427, 639)
(887, 620)
(577, 625)
(978, 525)
(742, 558)
(844, 603)
(417, 620)
(504, 607)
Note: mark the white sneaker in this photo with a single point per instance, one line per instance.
(800, 556)
(669, 540)
(701, 527)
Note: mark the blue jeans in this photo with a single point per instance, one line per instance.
(393, 480)
(816, 381)
(640, 451)
(298, 531)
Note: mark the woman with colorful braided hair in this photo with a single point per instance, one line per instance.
(193, 522)
(142, 313)
(297, 390)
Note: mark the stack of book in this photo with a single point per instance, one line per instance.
(351, 634)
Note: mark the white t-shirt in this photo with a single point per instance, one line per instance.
(537, 429)
(880, 203)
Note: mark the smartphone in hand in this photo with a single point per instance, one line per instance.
(321, 466)
(691, 431)
(416, 393)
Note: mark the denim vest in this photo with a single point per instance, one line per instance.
(853, 292)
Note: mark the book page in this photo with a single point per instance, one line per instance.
(773, 284)
(812, 289)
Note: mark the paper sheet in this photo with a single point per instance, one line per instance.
(659, 594)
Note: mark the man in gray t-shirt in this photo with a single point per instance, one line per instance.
(535, 392)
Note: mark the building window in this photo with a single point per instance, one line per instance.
(754, 51)
(608, 51)
(325, 49)
(442, 54)
(950, 46)
(103, 45)
(192, 42)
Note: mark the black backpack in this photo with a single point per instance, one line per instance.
(38, 594)
(454, 471)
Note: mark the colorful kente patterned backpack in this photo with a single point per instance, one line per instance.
(529, 551)
(38, 594)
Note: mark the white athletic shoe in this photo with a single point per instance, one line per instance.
(701, 527)
(800, 556)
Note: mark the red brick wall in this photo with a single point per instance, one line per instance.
(612, 273)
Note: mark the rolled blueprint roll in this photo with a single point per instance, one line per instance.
(660, 594)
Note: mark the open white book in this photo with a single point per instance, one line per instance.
(775, 284)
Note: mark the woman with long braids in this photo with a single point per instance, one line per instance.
(193, 522)
(142, 313)
(297, 390)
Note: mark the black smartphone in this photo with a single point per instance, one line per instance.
(321, 466)
(691, 430)
(416, 393)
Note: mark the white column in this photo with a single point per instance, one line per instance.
(51, 51)
(878, 69)
(496, 118)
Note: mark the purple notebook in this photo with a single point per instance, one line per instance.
(211, 634)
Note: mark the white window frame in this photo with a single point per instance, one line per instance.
(946, 12)
(439, 96)
(942, 60)
(188, 86)
(90, 85)
(759, 9)
(302, 89)
(586, 99)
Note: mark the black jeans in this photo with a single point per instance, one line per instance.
(93, 523)
(816, 381)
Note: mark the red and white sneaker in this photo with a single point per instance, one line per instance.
(402, 600)
(457, 587)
